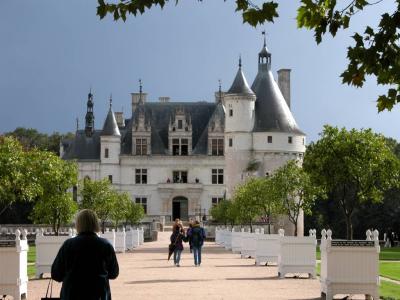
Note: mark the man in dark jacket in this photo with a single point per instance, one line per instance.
(85, 263)
(197, 236)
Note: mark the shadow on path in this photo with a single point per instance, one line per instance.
(165, 281)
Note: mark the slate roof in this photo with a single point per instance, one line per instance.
(240, 85)
(110, 125)
(272, 113)
(159, 114)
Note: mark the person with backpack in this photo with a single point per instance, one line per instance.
(197, 236)
(176, 239)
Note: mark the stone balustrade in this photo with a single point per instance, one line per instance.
(349, 267)
(109, 235)
(14, 266)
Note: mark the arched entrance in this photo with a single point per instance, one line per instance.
(180, 208)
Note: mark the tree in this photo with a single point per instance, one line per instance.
(246, 200)
(135, 213)
(122, 205)
(31, 138)
(223, 212)
(375, 52)
(352, 167)
(57, 177)
(98, 196)
(293, 188)
(18, 177)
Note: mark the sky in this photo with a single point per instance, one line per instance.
(53, 52)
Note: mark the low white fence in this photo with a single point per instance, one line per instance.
(267, 248)
(47, 247)
(297, 254)
(350, 267)
(141, 235)
(14, 267)
(120, 240)
(109, 235)
(228, 239)
(248, 244)
(132, 238)
(237, 240)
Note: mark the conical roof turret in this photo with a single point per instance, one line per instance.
(110, 127)
(240, 85)
(272, 113)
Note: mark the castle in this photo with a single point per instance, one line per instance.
(178, 159)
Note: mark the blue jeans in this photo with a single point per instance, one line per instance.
(177, 256)
(197, 255)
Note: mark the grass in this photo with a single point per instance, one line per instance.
(390, 270)
(31, 271)
(32, 254)
(389, 290)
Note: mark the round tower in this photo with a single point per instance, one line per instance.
(239, 103)
(276, 136)
(110, 147)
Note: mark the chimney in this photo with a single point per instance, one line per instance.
(164, 99)
(119, 117)
(284, 84)
(136, 98)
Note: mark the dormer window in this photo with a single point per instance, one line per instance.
(106, 153)
(180, 124)
(180, 147)
(141, 146)
(290, 139)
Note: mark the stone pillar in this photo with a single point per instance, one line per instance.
(284, 84)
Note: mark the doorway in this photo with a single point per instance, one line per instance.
(180, 208)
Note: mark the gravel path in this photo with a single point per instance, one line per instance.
(146, 274)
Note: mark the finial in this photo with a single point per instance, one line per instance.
(110, 100)
(219, 86)
(264, 34)
(140, 86)
(240, 60)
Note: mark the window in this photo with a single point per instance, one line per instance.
(180, 176)
(110, 178)
(143, 201)
(180, 124)
(141, 146)
(269, 139)
(290, 139)
(230, 112)
(180, 147)
(106, 153)
(217, 176)
(141, 176)
(217, 147)
(230, 142)
(303, 141)
(216, 200)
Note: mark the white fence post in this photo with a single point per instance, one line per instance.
(14, 268)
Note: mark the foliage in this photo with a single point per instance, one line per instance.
(352, 167)
(98, 196)
(18, 177)
(135, 213)
(56, 176)
(30, 138)
(253, 165)
(223, 212)
(122, 202)
(375, 52)
(294, 189)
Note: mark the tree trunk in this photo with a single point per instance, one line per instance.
(349, 227)
(251, 226)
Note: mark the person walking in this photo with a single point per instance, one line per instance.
(188, 233)
(176, 239)
(84, 264)
(197, 237)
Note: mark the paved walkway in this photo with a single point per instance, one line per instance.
(146, 274)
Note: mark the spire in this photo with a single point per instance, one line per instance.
(240, 85)
(140, 91)
(110, 125)
(89, 118)
(264, 56)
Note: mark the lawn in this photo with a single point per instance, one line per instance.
(390, 269)
(32, 254)
(389, 290)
